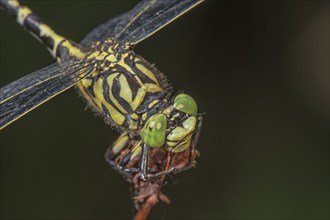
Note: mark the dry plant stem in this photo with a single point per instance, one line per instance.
(145, 209)
(149, 192)
(146, 194)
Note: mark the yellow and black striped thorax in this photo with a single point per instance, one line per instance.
(124, 87)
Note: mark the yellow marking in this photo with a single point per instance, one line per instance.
(120, 143)
(116, 116)
(98, 91)
(101, 56)
(151, 104)
(95, 73)
(136, 151)
(125, 91)
(129, 69)
(175, 116)
(134, 116)
(132, 125)
(138, 98)
(87, 82)
(73, 50)
(112, 58)
(46, 31)
(14, 3)
(146, 72)
(158, 126)
(123, 64)
(110, 48)
(110, 80)
(88, 98)
(93, 55)
(22, 13)
(152, 123)
(168, 110)
(152, 88)
(144, 116)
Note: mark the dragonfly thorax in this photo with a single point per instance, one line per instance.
(124, 87)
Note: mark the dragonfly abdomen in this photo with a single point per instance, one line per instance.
(58, 45)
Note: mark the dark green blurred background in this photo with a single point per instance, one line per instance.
(260, 72)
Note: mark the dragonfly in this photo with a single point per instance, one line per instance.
(124, 89)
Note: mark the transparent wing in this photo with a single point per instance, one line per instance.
(25, 94)
(147, 17)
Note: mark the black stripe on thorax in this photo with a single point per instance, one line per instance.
(106, 95)
(89, 89)
(150, 97)
(115, 89)
(133, 84)
(144, 78)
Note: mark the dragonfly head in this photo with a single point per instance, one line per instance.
(174, 127)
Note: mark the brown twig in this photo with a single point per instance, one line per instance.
(145, 209)
(146, 194)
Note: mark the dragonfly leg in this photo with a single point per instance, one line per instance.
(192, 161)
(144, 175)
(121, 155)
(110, 159)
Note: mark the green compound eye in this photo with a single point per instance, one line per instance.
(186, 104)
(153, 132)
